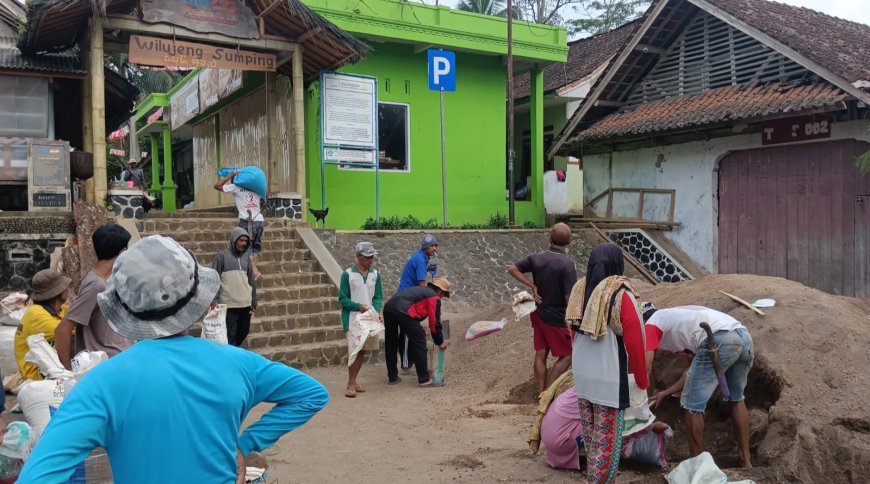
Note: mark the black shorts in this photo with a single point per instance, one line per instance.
(256, 233)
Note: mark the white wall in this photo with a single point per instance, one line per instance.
(691, 169)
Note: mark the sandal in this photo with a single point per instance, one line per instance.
(350, 393)
(432, 384)
(360, 389)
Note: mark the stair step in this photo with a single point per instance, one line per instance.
(211, 223)
(294, 337)
(332, 353)
(305, 306)
(265, 259)
(212, 247)
(290, 293)
(292, 279)
(264, 324)
(216, 234)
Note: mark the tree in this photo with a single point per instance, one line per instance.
(147, 80)
(598, 16)
(546, 12)
(486, 7)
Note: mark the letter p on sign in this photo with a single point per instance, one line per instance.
(442, 70)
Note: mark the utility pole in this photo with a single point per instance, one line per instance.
(512, 219)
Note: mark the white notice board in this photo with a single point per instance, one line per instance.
(349, 111)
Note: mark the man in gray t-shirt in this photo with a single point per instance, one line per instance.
(93, 333)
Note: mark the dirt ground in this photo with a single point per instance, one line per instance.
(807, 396)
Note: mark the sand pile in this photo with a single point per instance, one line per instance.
(807, 392)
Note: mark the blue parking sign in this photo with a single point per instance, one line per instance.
(442, 70)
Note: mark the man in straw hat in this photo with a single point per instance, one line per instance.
(406, 310)
(50, 292)
(169, 409)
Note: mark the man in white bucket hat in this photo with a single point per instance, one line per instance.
(169, 409)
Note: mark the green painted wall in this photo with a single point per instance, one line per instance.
(475, 141)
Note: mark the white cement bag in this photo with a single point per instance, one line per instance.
(214, 325)
(12, 308)
(700, 470)
(44, 356)
(362, 327)
(35, 398)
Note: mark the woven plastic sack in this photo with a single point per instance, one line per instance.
(647, 446)
(364, 326)
(249, 177)
(36, 398)
(483, 328)
(214, 325)
(44, 356)
(12, 308)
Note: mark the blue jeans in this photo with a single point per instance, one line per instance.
(736, 353)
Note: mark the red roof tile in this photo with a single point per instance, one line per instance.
(711, 107)
(843, 47)
(584, 56)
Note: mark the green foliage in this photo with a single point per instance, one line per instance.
(486, 7)
(147, 80)
(528, 224)
(498, 221)
(599, 16)
(863, 162)
(399, 223)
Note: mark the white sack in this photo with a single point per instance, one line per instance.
(35, 398)
(523, 304)
(44, 356)
(364, 326)
(214, 325)
(12, 308)
(700, 470)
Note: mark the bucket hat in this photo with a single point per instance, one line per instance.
(157, 289)
(366, 249)
(443, 284)
(428, 241)
(47, 284)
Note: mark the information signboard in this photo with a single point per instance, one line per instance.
(48, 176)
(228, 17)
(350, 111)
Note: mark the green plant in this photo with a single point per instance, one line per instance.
(528, 224)
(498, 221)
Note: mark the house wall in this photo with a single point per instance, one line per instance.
(475, 141)
(689, 168)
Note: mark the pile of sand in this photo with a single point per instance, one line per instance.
(807, 390)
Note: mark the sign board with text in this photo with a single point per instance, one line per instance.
(349, 117)
(798, 128)
(48, 176)
(156, 51)
(228, 17)
(183, 105)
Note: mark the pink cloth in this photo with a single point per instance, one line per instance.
(559, 431)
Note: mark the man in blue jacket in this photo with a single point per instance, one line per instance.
(417, 272)
(169, 409)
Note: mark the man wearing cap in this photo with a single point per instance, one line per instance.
(93, 333)
(170, 409)
(238, 288)
(50, 292)
(359, 291)
(553, 277)
(416, 272)
(405, 311)
(135, 174)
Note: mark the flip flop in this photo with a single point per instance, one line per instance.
(350, 393)
(432, 384)
(360, 389)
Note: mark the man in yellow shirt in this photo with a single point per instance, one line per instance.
(50, 292)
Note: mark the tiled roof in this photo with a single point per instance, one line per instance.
(712, 107)
(11, 58)
(841, 46)
(584, 56)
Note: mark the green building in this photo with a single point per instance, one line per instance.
(475, 115)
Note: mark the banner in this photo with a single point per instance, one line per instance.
(228, 17)
(155, 51)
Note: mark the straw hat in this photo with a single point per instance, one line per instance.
(47, 284)
(443, 284)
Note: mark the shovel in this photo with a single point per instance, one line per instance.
(714, 355)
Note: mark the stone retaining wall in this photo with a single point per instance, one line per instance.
(26, 243)
(474, 261)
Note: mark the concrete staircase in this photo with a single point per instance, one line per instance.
(298, 319)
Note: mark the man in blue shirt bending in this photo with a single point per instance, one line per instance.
(416, 273)
(169, 409)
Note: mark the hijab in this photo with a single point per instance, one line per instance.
(604, 261)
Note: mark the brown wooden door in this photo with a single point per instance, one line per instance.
(791, 211)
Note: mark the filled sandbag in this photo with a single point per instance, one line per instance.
(36, 399)
(214, 324)
(249, 177)
(483, 328)
(12, 308)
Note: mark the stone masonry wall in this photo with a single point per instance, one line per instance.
(26, 243)
(475, 262)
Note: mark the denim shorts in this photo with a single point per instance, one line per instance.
(735, 355)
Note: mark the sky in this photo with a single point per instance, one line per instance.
(854, 10)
